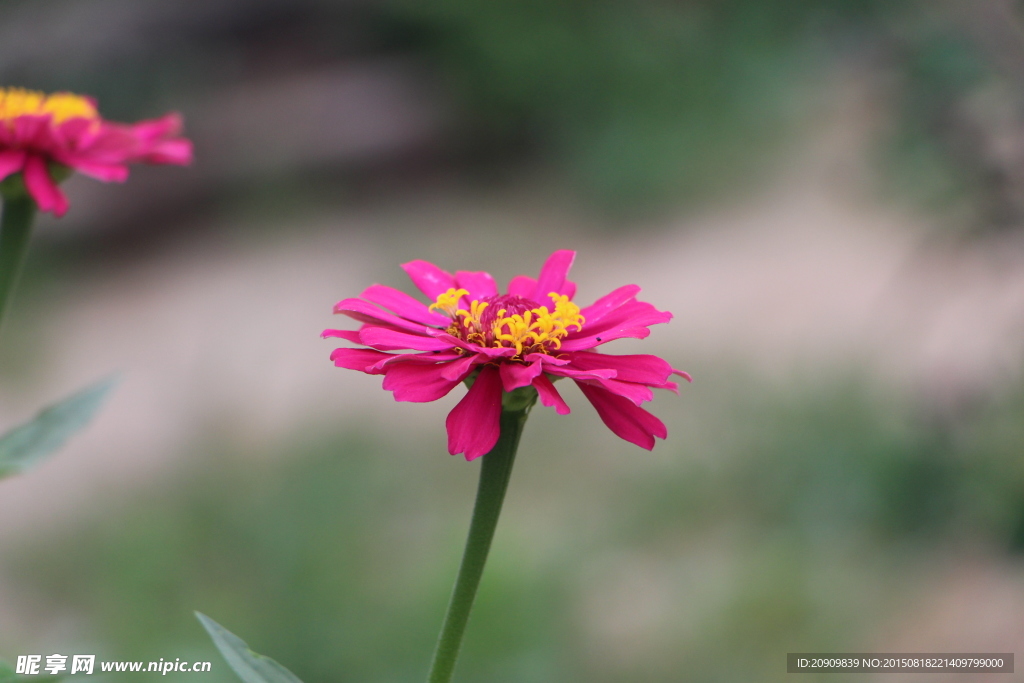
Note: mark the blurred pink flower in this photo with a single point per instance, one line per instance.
(511, 340)
(39, 133)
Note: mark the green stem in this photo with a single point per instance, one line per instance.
(494, 475)
(15, 228)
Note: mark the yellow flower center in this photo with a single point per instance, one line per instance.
(61, 106)
(511, 321)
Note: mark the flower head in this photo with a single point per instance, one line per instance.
(40, 134)
(529, 337)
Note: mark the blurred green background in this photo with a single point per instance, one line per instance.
(828, 195)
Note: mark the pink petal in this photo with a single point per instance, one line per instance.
(629, 320)
(627, 421)
(151, 142)
(609, 302)
(111, 144)
(671, 386)
(430, 279)
(388, 339)
(479, 284)
(418, 383)
(108, 173)
(11, 161)
(426, 358)
(475, 423)
(545, 359)
(363, 360)
(6, 137)
(595, 340)
(75, 133)
(630, 314)
(554, 271)
(549, 396)
(463, 366)
(641, 368)
(30, 132)
(569, 289)
(404, 305)
(523, 286)
(366, 312)
(515, 375)
(42, 188)
(157, 144)
(177, 152)
(489, 351)
(600, 373)
(155, 129)
(349, 335)
(636, 393)
(605, 377)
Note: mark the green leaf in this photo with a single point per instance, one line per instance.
(250, 666)
(6, 672)
(26, 444)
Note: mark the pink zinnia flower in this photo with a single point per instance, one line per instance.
(528, 337)
(39, 133)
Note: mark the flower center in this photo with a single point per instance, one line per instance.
(510, 321)
(60, 107)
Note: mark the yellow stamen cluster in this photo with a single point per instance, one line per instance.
(538, 327)
(61, 106)
(467, 325)
(535, 330)
(449, 302)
